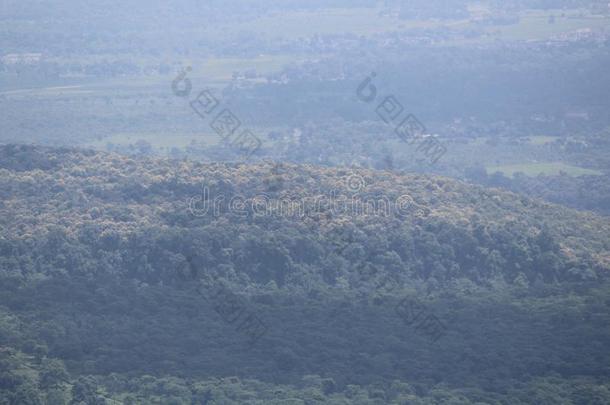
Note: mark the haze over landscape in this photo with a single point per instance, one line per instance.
(304, 202)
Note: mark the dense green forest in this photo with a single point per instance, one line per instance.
(110, 268)
(304, 202)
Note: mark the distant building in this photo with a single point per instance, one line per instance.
(577, 114)
(23, 58)
(601, 7)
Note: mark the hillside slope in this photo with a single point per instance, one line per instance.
(110, 264)
(430, 226)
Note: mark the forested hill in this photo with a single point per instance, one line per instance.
(100, 256)
(76, 212)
